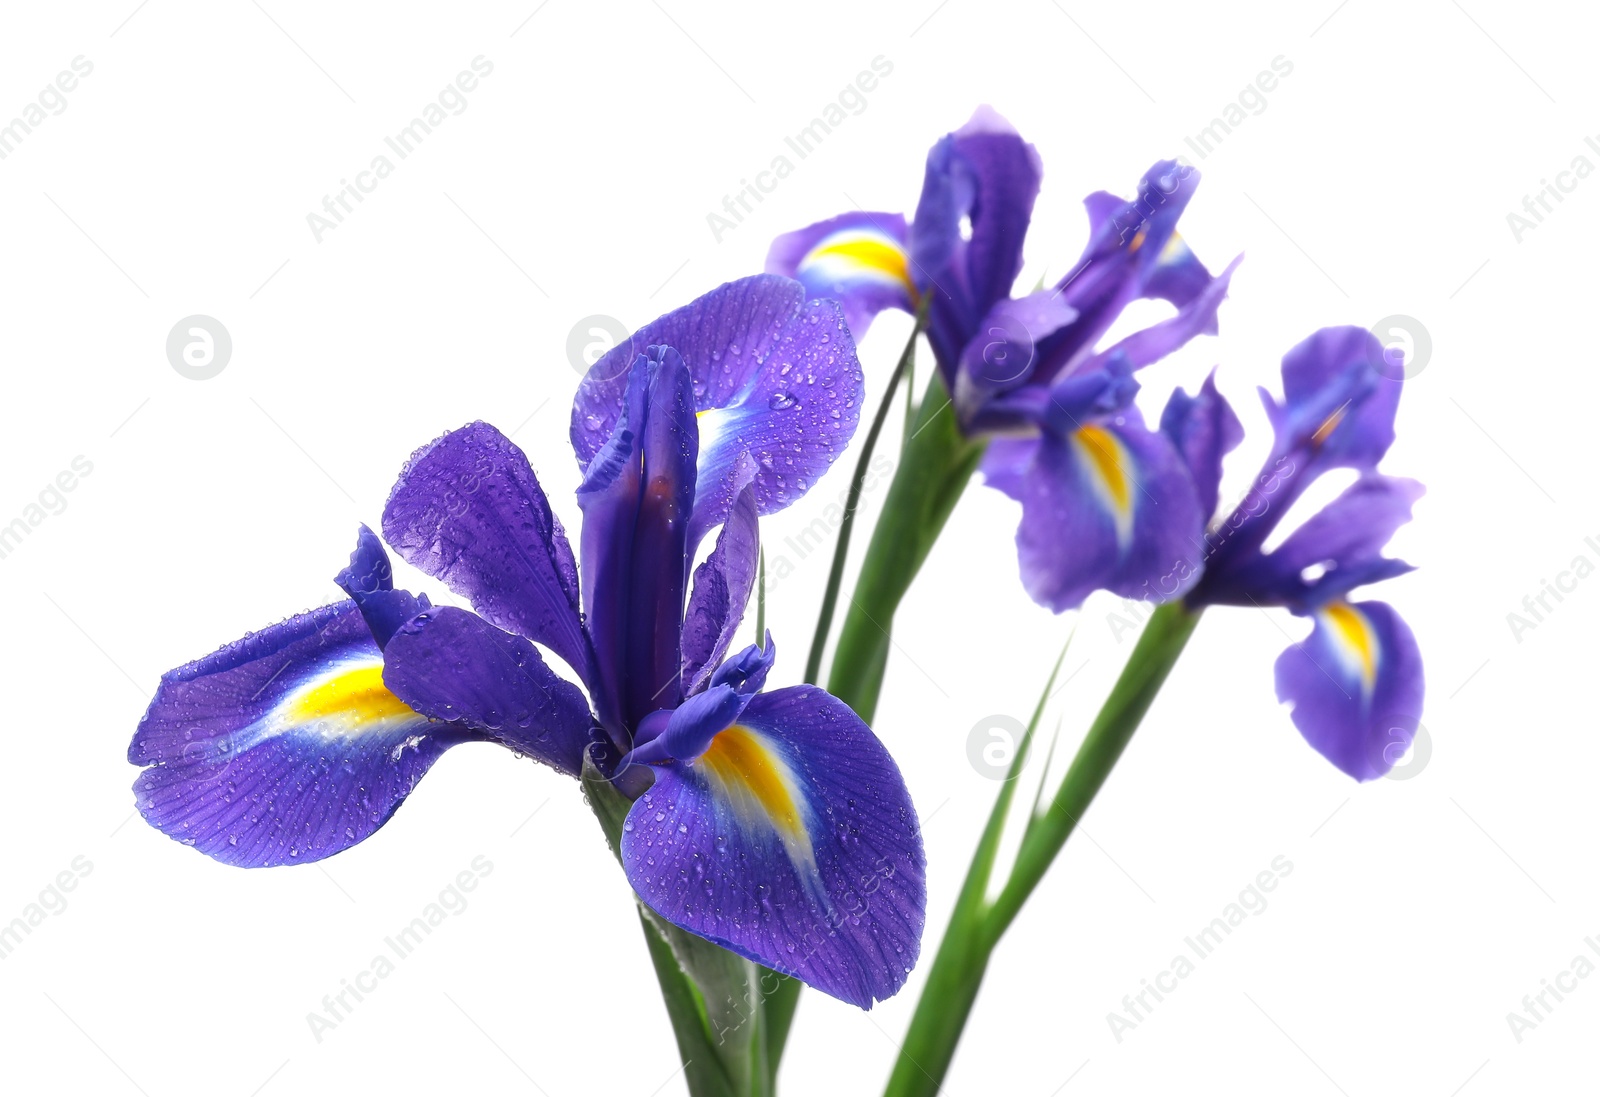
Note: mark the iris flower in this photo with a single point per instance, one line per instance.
(1356, 684)
(1107, 502)
(773, 823)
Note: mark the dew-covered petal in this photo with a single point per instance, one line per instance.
(469, 511)
(454, 666)
(722, 586)
(636, 499)
(775, 377)
(283, 747)
(791, 841)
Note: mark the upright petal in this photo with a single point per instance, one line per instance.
(469, 511)
(636, 499)
(792, 841)
(1108, 506)
(1335, 400)
(1205, 429)
(453, 665)
(1356, 686)
(857, 259)
(369, 581)
(966, 240)
(775, 376)
(282, 747)
(722, 586)
(1130, 256)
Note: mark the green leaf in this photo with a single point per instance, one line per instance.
(841, 548)
(936, 462)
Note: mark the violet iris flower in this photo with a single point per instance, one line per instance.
(1107, 502)
(773, 823)
(1356, 684)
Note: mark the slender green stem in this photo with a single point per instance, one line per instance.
(841, 548)
(936, 462)
(963, 957)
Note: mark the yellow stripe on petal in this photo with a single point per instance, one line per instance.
(1354, 640)
(859, 254)
(1110, 469)
(347, 700)
(755, 781)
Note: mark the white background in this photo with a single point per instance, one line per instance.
(1376, 182)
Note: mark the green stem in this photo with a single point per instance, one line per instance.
(936, 462)
(841, 548)
(958, 969)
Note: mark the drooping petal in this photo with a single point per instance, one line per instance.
(986, 176)
(453, 665)
(857, 259)
(791, 841)
(775, 377)
(636, 499)
(1205, 429)
(1109, 506)
(722, 586)
(1356, 686)
(469, 511)
(282, 747)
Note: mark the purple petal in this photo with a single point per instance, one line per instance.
(775, 376)
(1335, 551)
(1197, 317)
(1129, 256)
(1205, 429)
(1109, 506)
(282, 747)
(453, 665)
(1356, 686)
(857, 259)
(469, 511)
(722, 586)
(1000, 355)
(792, 841)
(1336, 401)
(636, 499)
(369, 581)
(986, 175)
